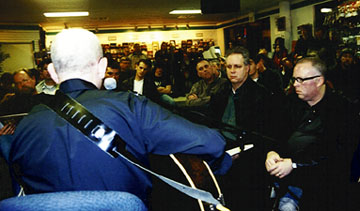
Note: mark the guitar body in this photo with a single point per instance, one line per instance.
(186, 169)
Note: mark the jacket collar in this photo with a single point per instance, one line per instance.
(73, 85)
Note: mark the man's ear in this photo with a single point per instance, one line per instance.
(102, 67)
(247, 68)
(321, 81)
(53, 74)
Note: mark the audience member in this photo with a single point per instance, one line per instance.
(136, 55)
(47, 85)
(305, 42)
(23, 99)
(112, 75)
(163, 85)
(345, 75)
(218, 71)
(6, 86)
(163, 57)
(142, 83)
(265, 75)
(209, 85)
(246, 105)
(125, 69)
(280, 52)
(313, 167)
(51, 155)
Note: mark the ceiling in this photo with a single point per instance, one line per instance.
(118, 13)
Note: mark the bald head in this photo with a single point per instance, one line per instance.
(77, 53)
(75, 50)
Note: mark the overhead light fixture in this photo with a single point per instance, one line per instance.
(325, 10)
(65, 14)
(176, 12)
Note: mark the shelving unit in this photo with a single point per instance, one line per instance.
(345, 19)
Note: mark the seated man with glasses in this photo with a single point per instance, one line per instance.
(311, 169)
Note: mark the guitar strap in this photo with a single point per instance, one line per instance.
(110, 142)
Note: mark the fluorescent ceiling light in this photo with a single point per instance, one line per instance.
(185, 12)
(65, 14)
(325, 10)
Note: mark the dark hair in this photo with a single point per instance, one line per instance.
(44, 62)
(6, 78)
(346, 51)
(147, 62)
(243, 51)
(280, 41)
(159, 65)
(124, 58)
(267, 60)
(113, 64)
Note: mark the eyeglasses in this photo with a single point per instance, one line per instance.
(301, 80)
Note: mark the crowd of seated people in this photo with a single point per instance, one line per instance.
(270, 103)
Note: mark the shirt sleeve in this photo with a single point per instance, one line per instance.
(166, 133)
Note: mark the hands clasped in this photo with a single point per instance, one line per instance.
(277, 166)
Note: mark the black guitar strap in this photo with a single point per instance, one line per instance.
(109, 141)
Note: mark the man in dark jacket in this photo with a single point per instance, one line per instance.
(313, 167)
(142, 83)
(244, 104)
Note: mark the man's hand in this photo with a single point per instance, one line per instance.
(8, 129)
(7, 97)
(282, 168)
(160, 88)
(271, 159)
(192, 97)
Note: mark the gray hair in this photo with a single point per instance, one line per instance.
(243, 51)
(75, 50)
(317, 63)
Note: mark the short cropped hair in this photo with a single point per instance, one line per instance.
(147, 62)
(124, 58)
(113, 64)
(75, 50)
(243, 51)
(317, 63)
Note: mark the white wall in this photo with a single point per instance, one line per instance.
(21, 56)
(21, 45)
(300, 16)
(304, 15)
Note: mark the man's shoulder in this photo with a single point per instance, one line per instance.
(220, 80)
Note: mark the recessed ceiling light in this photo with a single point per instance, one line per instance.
(65, 14)
(325, 10)
(185, 12)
